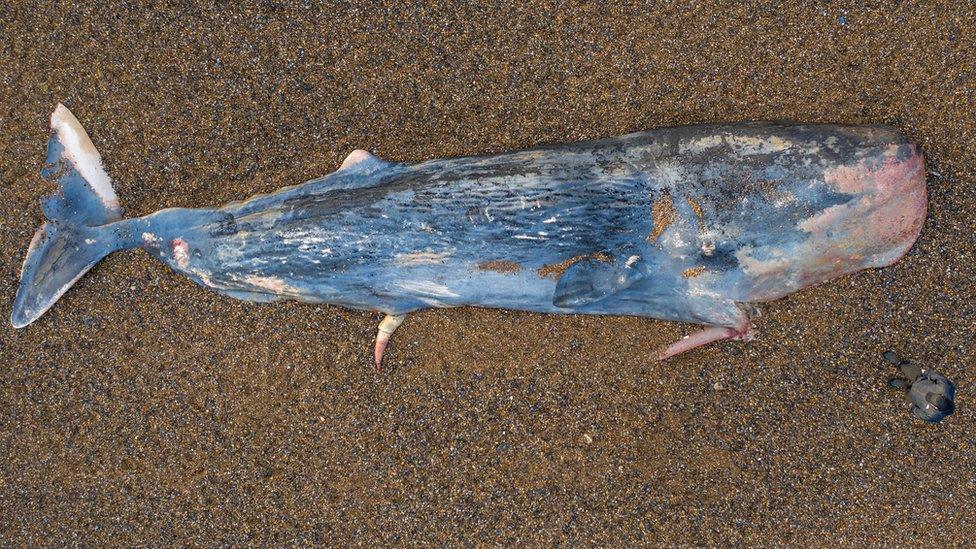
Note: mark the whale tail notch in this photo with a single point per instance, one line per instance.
(71, 241)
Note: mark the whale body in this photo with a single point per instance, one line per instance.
(694, 224)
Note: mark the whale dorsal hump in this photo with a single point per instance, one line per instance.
(356, 157)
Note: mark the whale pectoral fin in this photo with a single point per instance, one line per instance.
(592, 280)
(388, 325)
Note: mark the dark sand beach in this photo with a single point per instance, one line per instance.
(145, 410)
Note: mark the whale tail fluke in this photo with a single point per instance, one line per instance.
(70, 242)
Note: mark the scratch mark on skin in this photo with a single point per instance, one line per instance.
(427, 288)
(662, 213)
(420, 258)
(556, 270)
(271, 283)
(500, 266)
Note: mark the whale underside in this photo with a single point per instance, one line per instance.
(689, 224)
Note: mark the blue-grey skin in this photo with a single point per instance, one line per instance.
(687, 224)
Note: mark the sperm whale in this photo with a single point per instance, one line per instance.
(696, 224)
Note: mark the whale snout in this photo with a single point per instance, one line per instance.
(888, 206)
(899, 203)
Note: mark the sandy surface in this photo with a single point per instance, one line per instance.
(145, 409)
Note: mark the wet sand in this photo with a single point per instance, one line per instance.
(143, 409)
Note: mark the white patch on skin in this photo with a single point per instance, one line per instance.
(670, 173)
(835, 215)
(181, 253)
(149, 238)
(700, 286)
(82, 154)
(420, 258)
(30, 249)
(309, 239)
(631, 260)
(427, 288)
(274, 284)
(673, 240)
(233, 248)
(783, 201)
(756, 267)
(550, 220)
(89, 241)
(743, 145)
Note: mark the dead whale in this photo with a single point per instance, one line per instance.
(694, 224)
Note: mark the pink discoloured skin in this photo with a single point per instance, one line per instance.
(379, 349)
(181, 252)
(874, 230)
